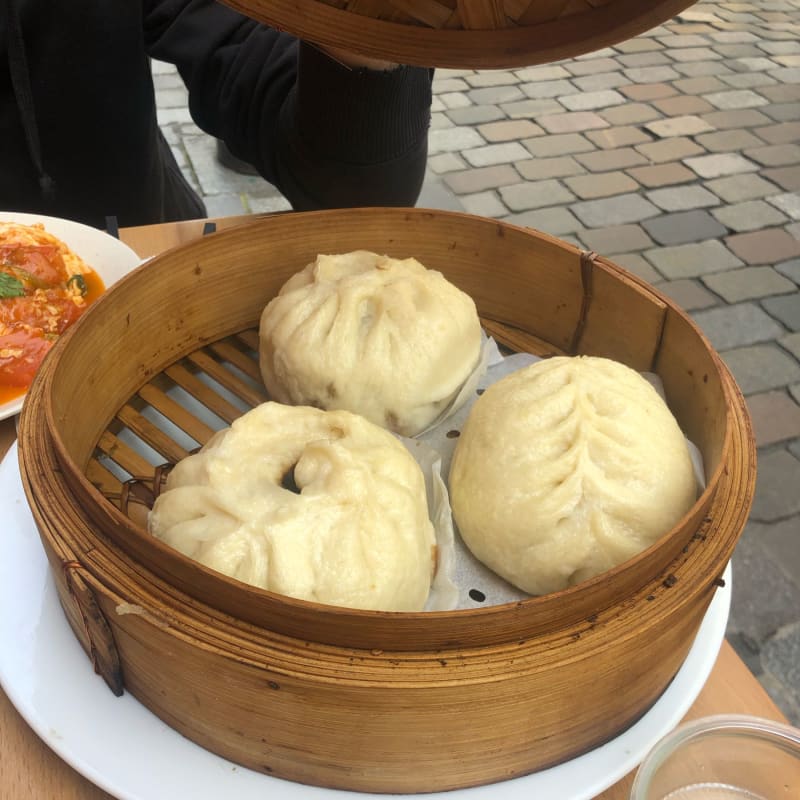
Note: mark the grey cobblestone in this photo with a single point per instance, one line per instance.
(736, 188)
(556, 220)
(440, 120)
(748, 80)
(781, 133)
(758, 369)
(542, 168)
(683, 198)
(652, 58)
(791, 342)
(672, 149)
(496, 95)
(630, 114)
(690, 295)
(776, 418)
(610, 138)
(474, 115)
(679, 126)
(719, 164)
(781, 657)
(650, 74)
(589, 101)
(776, 155)
(683, 227)
(786, 309)
(698, 68)
(692, 260)
(776, 487)
(748, 283)
(616, 239)
(446, 162)
(729, 140)
(769, 244)
(788, 203)
(529, 109)
(548, 89)
(558, 145)
(589, 187)
(491, 78)
(576, 121)
(483, 204)
(495, 154)
(634, 263)
(451, 139)
(617, 210)
(766, 580)
(791, 269)
(783, 112)
(742, 98)
(749, 216)
(477, 180)
(743, 118)
(607, 160)
(788, 178)
(525, 196)
(225, 205)
(601, 81)
(452, 100)
(509, 130)
(737, 326)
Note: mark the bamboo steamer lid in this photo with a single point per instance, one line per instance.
(464, 34)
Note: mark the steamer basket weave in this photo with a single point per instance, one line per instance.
(464, 34)
(468, 696)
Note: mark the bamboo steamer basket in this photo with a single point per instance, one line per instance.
(339, 697)
(464, 34)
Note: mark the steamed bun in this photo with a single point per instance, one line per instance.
(381, 337)
(322, 506)
(566, 469)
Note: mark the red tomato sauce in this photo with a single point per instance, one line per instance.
(31, 322)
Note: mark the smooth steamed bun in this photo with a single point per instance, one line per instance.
(566, 469)
(381, 337)
(323, 506)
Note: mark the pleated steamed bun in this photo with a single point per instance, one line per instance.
(567, 468)
(322, 506)
(381, 337)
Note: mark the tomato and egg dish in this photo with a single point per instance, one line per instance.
(44, 288)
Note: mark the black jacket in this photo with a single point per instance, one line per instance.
(78, 130)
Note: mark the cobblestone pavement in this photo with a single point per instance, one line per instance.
(677, 154)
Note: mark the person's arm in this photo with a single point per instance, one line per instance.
(325, 133)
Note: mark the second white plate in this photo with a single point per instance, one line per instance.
(108, 257)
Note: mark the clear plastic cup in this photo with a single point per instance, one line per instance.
(726, 757)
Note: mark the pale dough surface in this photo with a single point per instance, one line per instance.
(567, 468)
(322, 506)
(381, 337)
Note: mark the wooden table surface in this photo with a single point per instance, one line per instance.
(29, 770)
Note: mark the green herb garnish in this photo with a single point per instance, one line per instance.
(10, 286)
(80, 283)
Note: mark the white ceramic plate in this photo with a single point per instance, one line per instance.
(108, 257)
(123, 748)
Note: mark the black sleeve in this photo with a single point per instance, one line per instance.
(325, 135)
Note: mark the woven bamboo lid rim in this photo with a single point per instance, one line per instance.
(549, 36)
